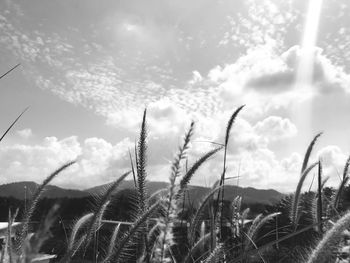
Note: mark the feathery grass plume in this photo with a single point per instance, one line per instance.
(341, 187)
(7, 249)
(235, 216)
(95, 222)
(136, 158)
(10, 70)
(132, 169)
(227, 136)
(217, 205)
(196, 248)
(166, 222)
(74, 242)
(295, 203)
(257, 224)
(230, 123)
(216, 255)
(212, 215)
(319, 198)
(36, 196)
(196, 220)
(13, 123)
(141, 164)
(117, 254)
(190, 172)
(326, 250)
(236, 204)
(308, 152)
(34, 242)
(252, 228)
(113, 240)
(153, 233)
(181, 154)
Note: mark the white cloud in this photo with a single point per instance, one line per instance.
(98, 161)
(293, 162)
(265, 79)
(25, 133)
(260, 169)
(196, 77)
(275, 128)
(333, 161)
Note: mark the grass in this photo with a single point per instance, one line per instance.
(240, 242)
(311, 225)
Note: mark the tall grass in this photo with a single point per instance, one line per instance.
(212, 234)
(223, 175)
(36, 196)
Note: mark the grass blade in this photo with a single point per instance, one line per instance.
(13, 68)
(13, 123)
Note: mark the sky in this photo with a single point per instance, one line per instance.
(89, 69)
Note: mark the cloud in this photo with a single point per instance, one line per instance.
(264, 79)
(259, 169)
(163, 117)
(25, 133)
(247, 135)
(293, 162)
(180, 67)
(333, 161)
(98, 161)
(196, 77)
(275, 128)
(263, 69)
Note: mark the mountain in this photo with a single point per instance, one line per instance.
(151, 187)
(196, 193)
(17, 190)
(249, 194)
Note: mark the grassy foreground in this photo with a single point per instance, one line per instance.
(304, 227)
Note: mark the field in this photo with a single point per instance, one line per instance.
(302, 227)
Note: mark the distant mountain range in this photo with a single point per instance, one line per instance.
(21, 189)
(250, 195)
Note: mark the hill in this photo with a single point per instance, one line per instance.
(195, 193)
(18, 190)
(249, 194)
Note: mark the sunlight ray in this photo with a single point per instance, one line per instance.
(306, 65)
(306, 62)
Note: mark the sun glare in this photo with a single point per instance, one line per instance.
(307, 51)
(305, 69)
